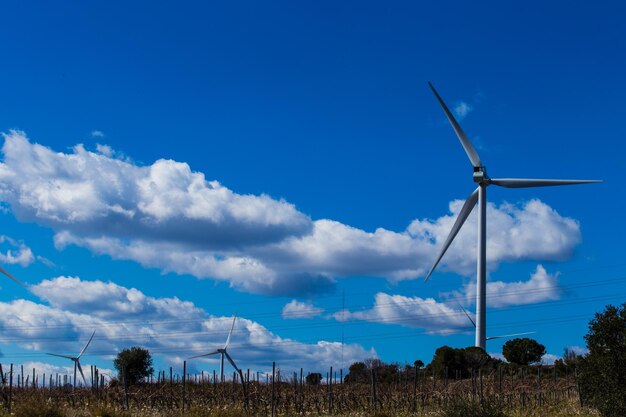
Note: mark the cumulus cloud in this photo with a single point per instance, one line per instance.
(169, 327)
(462, 109)
(97, 134)
(301, 310)
(169, 217)
(541, 287)
(17, 252)
(426, 313)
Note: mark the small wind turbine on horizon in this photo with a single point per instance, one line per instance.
(480, 196)
(224, 353)
(76, 360)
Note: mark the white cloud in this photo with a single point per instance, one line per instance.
(532, 231)
(462, 109)
(168, 217)
(300, 310)
(169, 327)
(426, 313)
(97, 134)
(18, 252)
(541, 287)
(549, 359)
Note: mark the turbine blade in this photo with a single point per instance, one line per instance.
(527, 182)
(61, 356)
(467, 145)
(80, 369)
(509, 335)
(85, 348)
(215, 352)
(231, 332)
(5, 272)
(467, 314)
(463, 215)
(231, 361)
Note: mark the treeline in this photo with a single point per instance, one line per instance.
(459, 363)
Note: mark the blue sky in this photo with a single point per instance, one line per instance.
(335, 172)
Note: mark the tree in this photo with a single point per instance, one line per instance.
(357, 373)
(133, 364)
(523, 351)
(314, 378)
(603, 369)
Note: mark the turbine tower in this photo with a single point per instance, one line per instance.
(480, 196)
(76, 360)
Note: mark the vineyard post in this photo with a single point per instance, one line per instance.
(330, 392)
(273, 405)
(10, 388)
(184, 381)
(301, 392)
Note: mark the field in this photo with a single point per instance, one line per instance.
(502, 392)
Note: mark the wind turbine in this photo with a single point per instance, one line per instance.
(223, 353)
(504, 336)
(76, 360)
(480, 196)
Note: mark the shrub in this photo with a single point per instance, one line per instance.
(602, 371)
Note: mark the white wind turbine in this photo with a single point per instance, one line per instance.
(480, 196)
(223, 353)
(76, 360)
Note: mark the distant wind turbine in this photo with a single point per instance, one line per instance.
(76, 360)
(223, 353)
(480, 196)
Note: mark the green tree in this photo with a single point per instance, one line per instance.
(357, 373)
(314, 378)
(523, 351)
(603, 369)
(134, 364)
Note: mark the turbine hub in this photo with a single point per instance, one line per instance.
(480, 174)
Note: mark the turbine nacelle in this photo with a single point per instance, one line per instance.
(480, 175)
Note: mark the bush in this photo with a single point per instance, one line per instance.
(603, 371)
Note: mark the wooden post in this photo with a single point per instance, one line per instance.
(330, 392)
(273, 400)
(10, 388)
(373, 399)
(184, 381)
